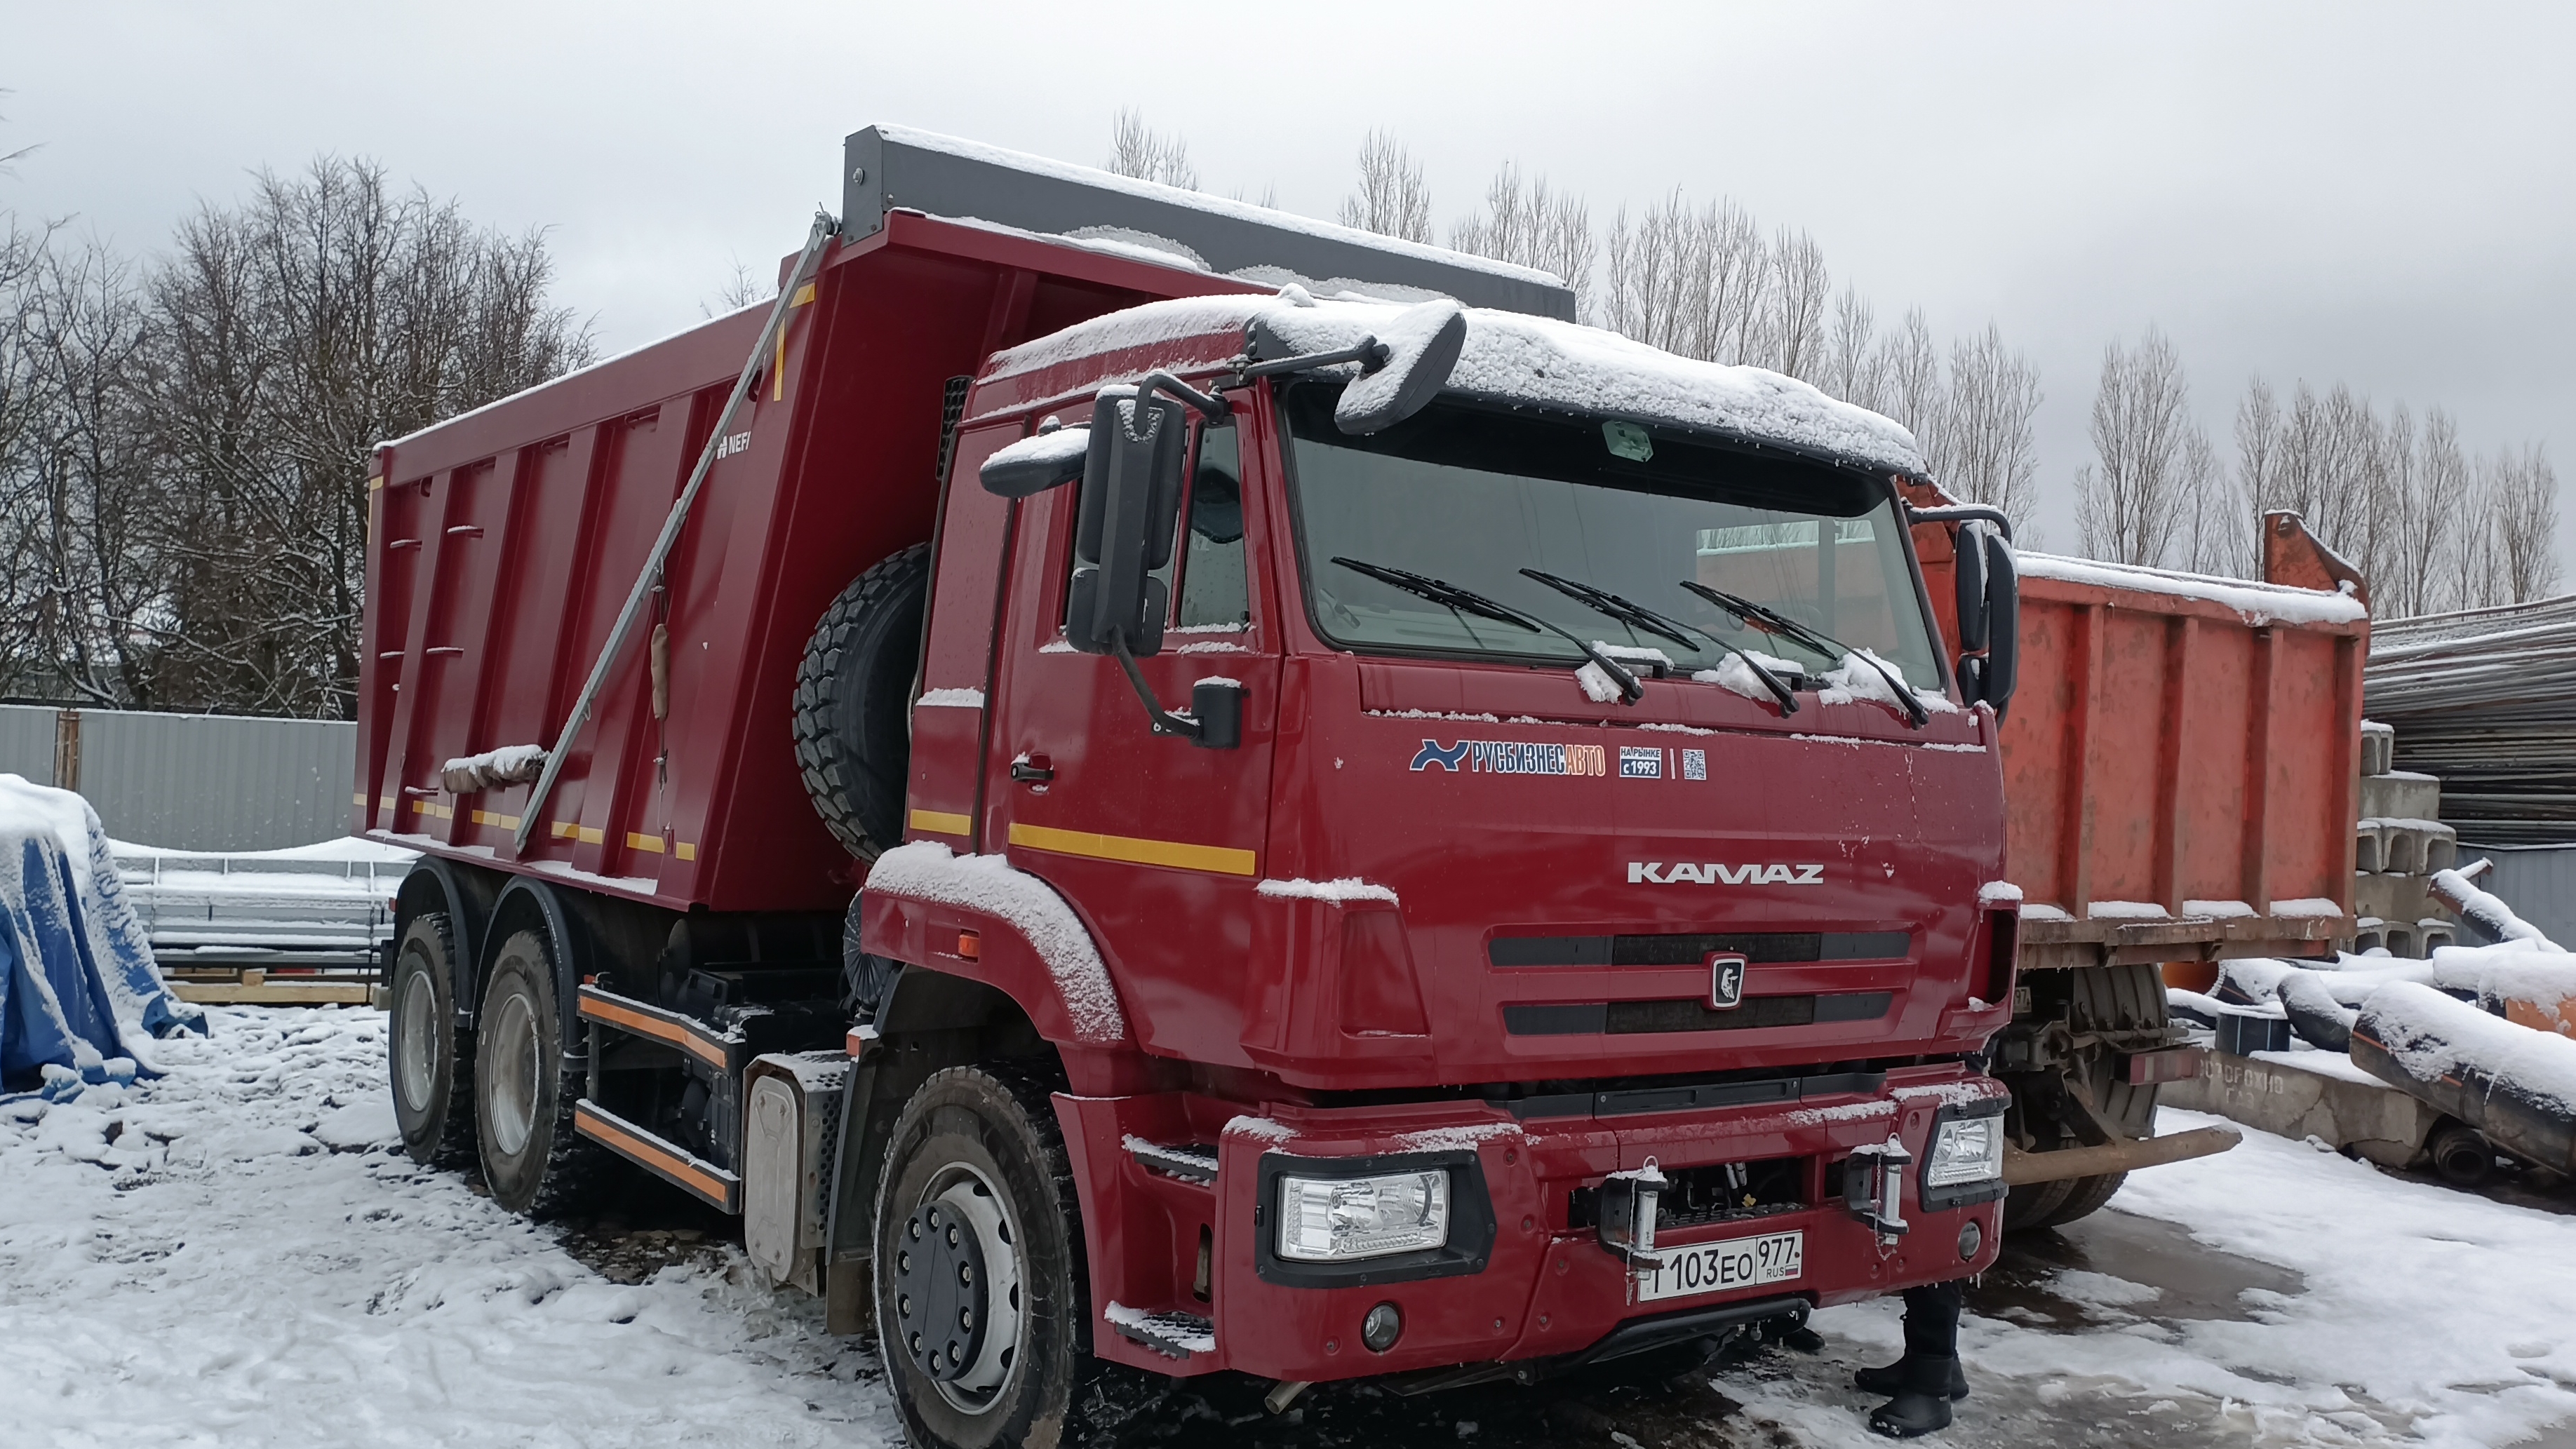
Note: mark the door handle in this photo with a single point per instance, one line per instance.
(1032, 770)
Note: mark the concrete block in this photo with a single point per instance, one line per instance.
(2310, 1094)
(2401, 794)
(2378, 747)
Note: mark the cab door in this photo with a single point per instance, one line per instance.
(1155, 841)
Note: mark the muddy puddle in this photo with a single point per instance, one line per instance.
(2114, 1266)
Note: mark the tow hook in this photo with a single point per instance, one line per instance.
(1874, 1188)
(1628, 1203)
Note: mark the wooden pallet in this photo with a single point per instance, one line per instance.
(253, 986)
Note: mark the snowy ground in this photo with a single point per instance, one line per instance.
(232, 1256)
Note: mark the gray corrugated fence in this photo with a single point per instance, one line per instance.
(191, 781)
(2538, 881)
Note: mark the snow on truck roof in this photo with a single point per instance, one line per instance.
(1519, 360)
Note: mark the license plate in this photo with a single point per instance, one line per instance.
(1717, 1267)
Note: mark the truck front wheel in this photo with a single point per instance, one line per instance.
(980, 1293)
(533, 1161)
(432, 1062)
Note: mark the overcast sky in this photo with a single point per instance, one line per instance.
(2383, 195)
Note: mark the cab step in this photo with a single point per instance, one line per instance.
(1189, 1164)
(1173, 1335)
(659, 1156)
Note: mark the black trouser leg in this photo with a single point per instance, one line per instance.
(1932, 1318)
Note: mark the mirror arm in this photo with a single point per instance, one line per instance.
(1962, 513)
(1162, 381)
(1369, 353)
(1165, 722)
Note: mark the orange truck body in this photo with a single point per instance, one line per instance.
(2181, 762)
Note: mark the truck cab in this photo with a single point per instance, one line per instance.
(1467, 819)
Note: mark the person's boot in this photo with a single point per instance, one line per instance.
(1922, 1402)
(1890, 1380)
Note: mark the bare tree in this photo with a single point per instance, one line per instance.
(1798, 291)
(1137, 150)
(1985, 435)
(1854, 367)
(1393, 199)
(292, 334)
(2526, 524)
(743, 288)
(1910, 388)
(2132, 498)
(2258, 461)
(1533, 227)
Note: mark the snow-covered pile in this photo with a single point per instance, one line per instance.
(80, 999)
(2434, 1037)
(1516, 359)
(237, 1254)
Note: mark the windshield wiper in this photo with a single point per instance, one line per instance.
(1638, 616)
(1772, 621)
(1468, 601)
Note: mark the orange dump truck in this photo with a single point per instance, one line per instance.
(2180, 779)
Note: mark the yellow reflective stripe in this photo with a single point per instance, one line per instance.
(652, 843)
(685, 850)
(506, 822)
(943, 822)
(1224, 860)
(586, 834)
(804, 294)
(432, 809)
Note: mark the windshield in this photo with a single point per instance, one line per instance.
(1471, 496)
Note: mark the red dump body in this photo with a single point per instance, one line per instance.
(2180, 763)
(505, 540)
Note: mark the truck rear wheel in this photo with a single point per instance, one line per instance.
(854, 701)
(431, 1062)
(2102, 1001)
(533, 1161)
(980, 1290)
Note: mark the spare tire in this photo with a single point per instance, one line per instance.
(854, 702)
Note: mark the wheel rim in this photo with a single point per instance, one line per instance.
(511, 1094)
(962, 1198)
(415, 1025)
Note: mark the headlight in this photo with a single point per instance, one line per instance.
(1333, 1219)
(1965, 1149)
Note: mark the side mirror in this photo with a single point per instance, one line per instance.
(2003, 637)
(1131, 503)
(1968, 553)
(1036, 463)
(1422, 345)
(1989, 616)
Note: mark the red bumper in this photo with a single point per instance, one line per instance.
(1541, 1287)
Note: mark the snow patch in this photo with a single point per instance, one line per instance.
(1597, 684)
(1340, 892)
(2256, 603)
(2307, 908)
(1998, 893)
(950, 699)
(929, 871)
(492, 769)
(2125, 911)
(1519, 360)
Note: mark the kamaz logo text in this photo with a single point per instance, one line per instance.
(1655, 872)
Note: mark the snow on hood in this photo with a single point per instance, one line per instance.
(1522, 361)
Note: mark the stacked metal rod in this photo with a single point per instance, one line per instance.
(2485, 699)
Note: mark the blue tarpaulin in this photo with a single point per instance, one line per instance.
(78, 989)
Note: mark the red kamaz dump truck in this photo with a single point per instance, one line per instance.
(1315, 835)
